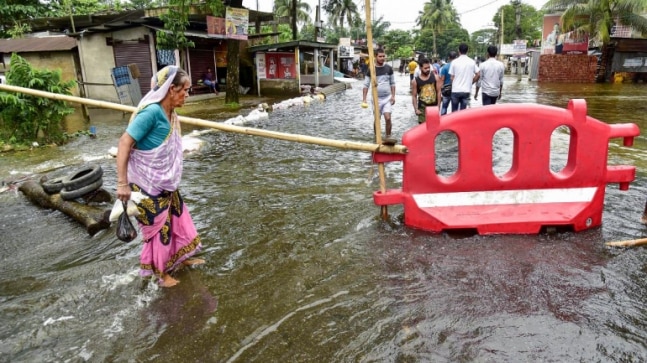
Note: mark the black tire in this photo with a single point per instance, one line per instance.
(82, 177)
(52, 186)
(78, 193)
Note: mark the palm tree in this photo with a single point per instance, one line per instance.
(436, 15)
(340, 11)
(284, 7)
(598, 17)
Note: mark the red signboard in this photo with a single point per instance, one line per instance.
(216, 26)
(575, 43)
(280, 65)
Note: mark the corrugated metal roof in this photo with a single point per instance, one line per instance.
(45, 44)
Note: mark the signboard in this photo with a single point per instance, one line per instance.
(260, 65)
(280, 65)
(575, 43)
(237, 21)
(519, 48)
(216, 26)
(550, 34)
(506, 49)
(346, 51)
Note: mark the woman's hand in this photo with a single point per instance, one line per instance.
(123, 192)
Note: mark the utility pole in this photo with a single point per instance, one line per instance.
(293, 14)
(318, 22)
(517, 13)
(501, 35)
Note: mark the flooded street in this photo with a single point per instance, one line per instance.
(301, 269)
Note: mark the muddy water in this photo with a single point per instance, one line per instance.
(300, 269)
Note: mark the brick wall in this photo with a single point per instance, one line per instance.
(567, 68)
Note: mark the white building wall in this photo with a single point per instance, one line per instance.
(97, 59)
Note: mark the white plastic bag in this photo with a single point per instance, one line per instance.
(117, 208)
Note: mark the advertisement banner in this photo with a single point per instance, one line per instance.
(216, 26)
(550, 34)
(575, 43)
(237, 21)
(519, 48)
(280, 65)
(260, 65)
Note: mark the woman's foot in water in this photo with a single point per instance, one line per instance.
(168, 281)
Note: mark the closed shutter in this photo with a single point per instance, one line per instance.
(137, 52)
(199, 60)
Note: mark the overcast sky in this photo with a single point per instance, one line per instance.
(474, 14)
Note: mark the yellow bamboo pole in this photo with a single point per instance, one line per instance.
(376, 107)
(340, 144)
(628, 243)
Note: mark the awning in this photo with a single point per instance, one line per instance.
(190, 33)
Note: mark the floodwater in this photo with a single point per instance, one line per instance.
(301, 269)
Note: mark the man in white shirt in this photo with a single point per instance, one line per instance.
(491, 77)
(464, 72)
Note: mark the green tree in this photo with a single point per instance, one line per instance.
(448, 40)
(598, 17)
(15, 15)
(393, 40)
(437, 15)
(480, 40)
(284, 8)
(530, 23)
(25, 118)
(340, 11)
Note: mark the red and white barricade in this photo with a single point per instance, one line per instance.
(527, 197)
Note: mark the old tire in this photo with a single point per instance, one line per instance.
(77, 193)
(83, 177)
(52, 186)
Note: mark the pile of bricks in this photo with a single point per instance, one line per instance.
(567, 68)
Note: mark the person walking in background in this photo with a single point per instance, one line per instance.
(209, 80)
(425, 90)
(385, 92)
(464, 72)
(446, 84)
(491, 78)
(149, 160)
(412, 69)
(436, 66)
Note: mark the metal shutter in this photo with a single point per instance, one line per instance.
(137, 52)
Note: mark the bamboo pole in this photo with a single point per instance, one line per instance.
(340, 144)
(376, 107)
(628, 243)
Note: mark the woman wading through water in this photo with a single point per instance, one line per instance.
(149, 160)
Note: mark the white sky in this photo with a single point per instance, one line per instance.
(474, 14)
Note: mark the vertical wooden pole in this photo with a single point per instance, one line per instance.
(376, 106)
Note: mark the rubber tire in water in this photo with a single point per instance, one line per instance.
(82, 177)
(52, 186)
(78, 193)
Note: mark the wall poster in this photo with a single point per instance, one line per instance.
(280, 65)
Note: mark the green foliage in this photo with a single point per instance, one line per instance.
(393, 40)
(286, 33)
(284, 8)
(341, 11)
(176, 20)
(530, 23)
(25, 118)
(446, 41)
(15, 13)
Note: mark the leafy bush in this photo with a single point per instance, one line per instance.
(25, 118)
